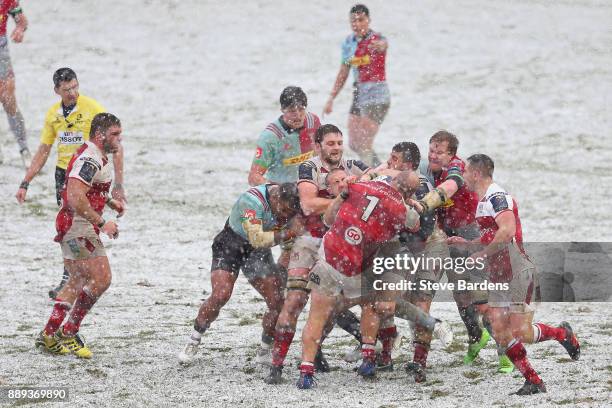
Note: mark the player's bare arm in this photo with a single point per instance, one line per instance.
(256, 175)
(38, 162)
(504, 235)
(343, 74)
(309, 199)
(330, 213)
(20, 27)
(77, 199)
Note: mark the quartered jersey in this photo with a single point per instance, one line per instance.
(254, 206)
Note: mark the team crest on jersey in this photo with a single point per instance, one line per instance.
(258, 152)
(249, 214)
(353, 235)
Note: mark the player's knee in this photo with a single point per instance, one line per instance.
(221, 295)
(384, 309)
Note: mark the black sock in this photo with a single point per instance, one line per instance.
(469, 315)
(349, 323)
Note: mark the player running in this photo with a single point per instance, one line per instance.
(254, 226)
(364, 52)
(509, 312)
(78, 225)
(362, 218)
(68, 122)
(7, 75)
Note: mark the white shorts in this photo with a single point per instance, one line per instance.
(81, 241)
(304, 252)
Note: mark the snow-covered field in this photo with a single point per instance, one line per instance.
(528, 82)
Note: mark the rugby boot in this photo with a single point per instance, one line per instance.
(505, 365)
(50, 344)
(187, 355)
(443, 332)
(474, 348)
(74, 343)
(417, 370)
(570, 343)
(275, 376)
(384, 362)
(307, 379)
(530, 388)
(367, 369)
(321, 365)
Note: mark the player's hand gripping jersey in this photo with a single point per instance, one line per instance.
(495, 202)
(372, 214)
(252, 209)
(314, 171)
(459, 210)
(89, 166)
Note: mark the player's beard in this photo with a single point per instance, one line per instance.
(332, 160)
(108, 148)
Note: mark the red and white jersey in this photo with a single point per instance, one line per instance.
(372, 214)
(91, 167)
(6, 8)
(315, 171)
(495, 202)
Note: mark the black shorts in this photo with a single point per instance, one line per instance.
(60, 177)
(232, 252)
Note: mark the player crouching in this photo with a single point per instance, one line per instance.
(254, 226)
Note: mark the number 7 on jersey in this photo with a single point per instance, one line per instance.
(373, 202)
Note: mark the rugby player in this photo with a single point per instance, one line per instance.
(7, 75)
(364, 52)
(315, 175)
(254, 226)
(509, 312)
(78, 225)
(69, 122)
(457, 206)
(362, 218)
(428, 242)
(286, 142)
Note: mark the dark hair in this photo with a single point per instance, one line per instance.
(293, 96)
(288, 194)
(483, 163)
(102, 122)
(325, 130)
(410, 153)
(360, 8)
(445, 136)
(63, 75)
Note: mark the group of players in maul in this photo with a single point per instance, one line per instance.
(332, 217)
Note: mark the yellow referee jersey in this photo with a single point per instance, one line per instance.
(70, 132)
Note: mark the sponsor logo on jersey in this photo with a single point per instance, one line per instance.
(353, 235)
(71, 138)
(315, 278)
(291, 161)
(359, 61)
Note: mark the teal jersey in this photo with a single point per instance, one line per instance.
(280, 150)
(253, 205)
